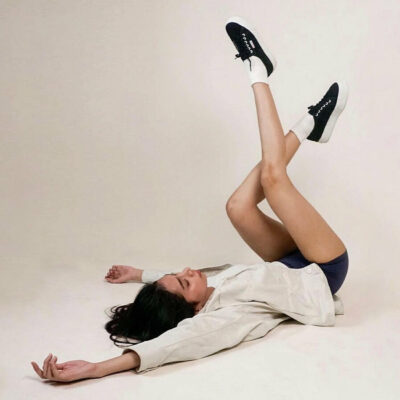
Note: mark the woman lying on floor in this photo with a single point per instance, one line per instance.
(196, 313)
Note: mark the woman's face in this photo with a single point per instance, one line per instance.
(190, 283)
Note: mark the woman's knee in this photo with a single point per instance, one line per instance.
(237, 207)
(272, 174)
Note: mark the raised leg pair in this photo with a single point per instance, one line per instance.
(303, 227)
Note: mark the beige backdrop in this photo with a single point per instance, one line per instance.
(126, 125)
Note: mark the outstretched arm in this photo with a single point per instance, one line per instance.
(205, 334)
(80, 369)
(124, 273)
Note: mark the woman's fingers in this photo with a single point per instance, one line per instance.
(46, 371)
(109, 274)
(45, 363)
(50, 368)
(53, 369)
(115, 273)
(112, 270)
(37, 369)
(49, 371)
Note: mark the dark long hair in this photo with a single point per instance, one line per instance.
(154, 311)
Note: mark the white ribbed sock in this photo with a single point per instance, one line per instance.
(303, 127)
(258, 72)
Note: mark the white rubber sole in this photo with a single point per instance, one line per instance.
(248, 26)
(340, 105)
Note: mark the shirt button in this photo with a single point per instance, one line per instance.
(309, 270)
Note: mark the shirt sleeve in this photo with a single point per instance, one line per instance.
(197, 337)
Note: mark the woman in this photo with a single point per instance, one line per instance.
(193, 314)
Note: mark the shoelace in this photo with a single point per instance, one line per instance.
(320, 105)
(239, 56)
(243, 52)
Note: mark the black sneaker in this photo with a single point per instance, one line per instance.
(327, 111)
(244, 38)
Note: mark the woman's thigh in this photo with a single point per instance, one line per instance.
(266, 236)
(313, 236)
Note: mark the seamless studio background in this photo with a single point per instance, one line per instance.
(126, 126)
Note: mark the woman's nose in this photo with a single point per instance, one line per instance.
(184, 272)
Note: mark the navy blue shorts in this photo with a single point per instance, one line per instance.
(334, 270)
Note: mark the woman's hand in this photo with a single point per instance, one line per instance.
(123, 273)
(65, 372)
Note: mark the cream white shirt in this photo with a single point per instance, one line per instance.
(248, 301)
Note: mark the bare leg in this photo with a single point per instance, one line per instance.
(266, 236)
(311, 233)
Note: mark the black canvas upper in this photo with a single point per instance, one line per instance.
(243, 39)
(322, 111)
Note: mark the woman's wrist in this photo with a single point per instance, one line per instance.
(124, 362)
(135, 274)
(139, 275)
